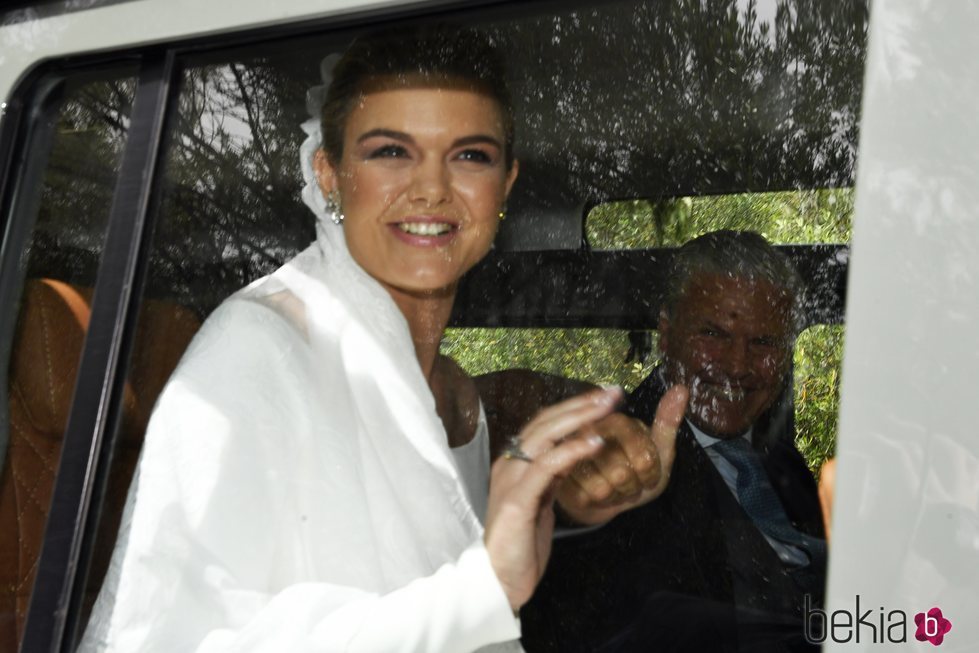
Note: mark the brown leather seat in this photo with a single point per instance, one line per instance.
(44, 363)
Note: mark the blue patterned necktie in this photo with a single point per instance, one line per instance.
(759, 500)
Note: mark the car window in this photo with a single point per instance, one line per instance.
(53, 246)
(715, 115)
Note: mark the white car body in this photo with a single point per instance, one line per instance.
(905, 522)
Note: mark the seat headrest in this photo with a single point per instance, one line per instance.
(48, 347)
(47, 350)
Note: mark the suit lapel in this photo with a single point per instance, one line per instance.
(736, 561)
(698, 506)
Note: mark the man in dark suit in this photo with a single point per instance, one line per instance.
(723, 560)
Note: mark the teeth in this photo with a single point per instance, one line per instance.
(723, 391)
(731, 394)
(425, 228)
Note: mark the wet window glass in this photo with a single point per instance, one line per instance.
(65, 210)
(728, 115)
(820, 216)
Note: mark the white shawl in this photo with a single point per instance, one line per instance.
(391, 432)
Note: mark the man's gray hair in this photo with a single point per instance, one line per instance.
(738, 255)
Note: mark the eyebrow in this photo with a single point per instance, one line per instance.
(475, 139)
(386, 133)
(479, 139)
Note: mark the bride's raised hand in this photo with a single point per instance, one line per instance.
(520, 515)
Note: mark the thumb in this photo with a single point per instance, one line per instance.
(669, 414)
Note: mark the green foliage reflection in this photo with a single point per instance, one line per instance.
(597, 355)
(787, 217)
(818, 357)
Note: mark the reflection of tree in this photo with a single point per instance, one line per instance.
(79, 182)
(692, 97)
(231, 187)
(621, 100)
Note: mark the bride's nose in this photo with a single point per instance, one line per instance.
(430, 183)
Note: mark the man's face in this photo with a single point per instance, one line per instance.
(729, 342)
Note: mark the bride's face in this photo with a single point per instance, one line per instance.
(422, 180)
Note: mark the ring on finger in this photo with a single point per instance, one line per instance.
(512, 450)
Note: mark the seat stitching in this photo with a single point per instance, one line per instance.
(28, 575)
(29, 494)
(18, 515)
(48, 462)
(20, 527)
(31, 490)
(47, 352)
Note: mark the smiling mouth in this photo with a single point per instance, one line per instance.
(724, 391)
(426, 228)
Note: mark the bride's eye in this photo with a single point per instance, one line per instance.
(389, 151)
(475, 156)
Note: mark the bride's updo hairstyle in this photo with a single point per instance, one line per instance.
(426, 56)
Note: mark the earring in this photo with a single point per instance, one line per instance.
(333, 206)
(503, 212)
